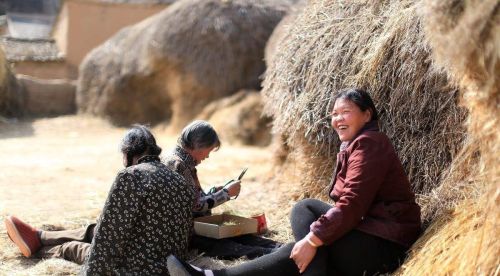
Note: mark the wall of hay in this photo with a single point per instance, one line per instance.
(432, 67)
(378, 46)
(463, 238)
(169, 66)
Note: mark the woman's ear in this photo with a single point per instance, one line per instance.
(368, 115)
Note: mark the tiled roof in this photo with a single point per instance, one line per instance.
(134, 1)
(31, 49)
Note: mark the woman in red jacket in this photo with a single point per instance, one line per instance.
(373, 222)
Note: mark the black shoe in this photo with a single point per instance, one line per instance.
(177, 267)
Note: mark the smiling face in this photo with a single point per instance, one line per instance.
(348, 119)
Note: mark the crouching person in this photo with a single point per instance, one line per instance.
(146, 217)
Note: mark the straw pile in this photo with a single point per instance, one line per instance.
(171, 65)
(11, 98)
(418, 59)
(280, 33)
(238, 119)
(378, 46)
(465, 39)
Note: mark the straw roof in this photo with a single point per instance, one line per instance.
(133, 2)
(174, 63)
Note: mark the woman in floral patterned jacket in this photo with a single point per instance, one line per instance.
(147, 214)
(146, 217)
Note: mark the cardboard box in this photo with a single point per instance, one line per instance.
(224, 226)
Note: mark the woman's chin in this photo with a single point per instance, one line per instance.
(343, 138)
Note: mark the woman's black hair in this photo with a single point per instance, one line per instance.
(197, 135)
(139, 140)
(359, 97)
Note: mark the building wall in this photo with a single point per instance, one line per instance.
(83, 25)
(60, 29)
(46, 69)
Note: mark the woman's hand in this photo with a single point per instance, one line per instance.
(233, 188)
(302, 254)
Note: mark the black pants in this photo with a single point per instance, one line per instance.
(250, 246)
(355, 253)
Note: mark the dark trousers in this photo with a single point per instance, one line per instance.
(355, 253)
(71, 245)
(250, 246)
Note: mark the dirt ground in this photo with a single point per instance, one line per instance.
(55, 173)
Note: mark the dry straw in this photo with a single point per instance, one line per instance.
(171, 65)
(420, 60)
(238, 119)
(465, 39)
(378, 46)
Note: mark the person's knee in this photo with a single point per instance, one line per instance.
(75, 251)
(302, 206)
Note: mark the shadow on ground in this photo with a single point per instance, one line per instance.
(15, 128)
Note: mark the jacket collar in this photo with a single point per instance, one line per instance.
(185, 156)
(148, 159)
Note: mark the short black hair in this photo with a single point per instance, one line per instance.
(197, 135)
(359, 97)
(139, 140)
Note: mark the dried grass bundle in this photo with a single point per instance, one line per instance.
(238, 119)
(171, 65)
(463, 242)
(280, 33)
(465, 38)
(412, 56)
(378, 46)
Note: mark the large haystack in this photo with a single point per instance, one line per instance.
(465, 39)
(378, 46)
(280, 33)
(238, 119)
(174, 63)
(11, 98)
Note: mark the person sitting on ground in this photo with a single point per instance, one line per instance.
(146, 217)
(373, 222)
(195, 143)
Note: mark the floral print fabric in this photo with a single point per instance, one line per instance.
(147, 216)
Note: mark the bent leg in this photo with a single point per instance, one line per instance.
(304, 213)
(84, 234)
(73, 251)
(72, 245)
(276, 263)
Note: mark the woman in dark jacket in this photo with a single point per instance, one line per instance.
(373, 222)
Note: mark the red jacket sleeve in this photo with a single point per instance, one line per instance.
(366, 170)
